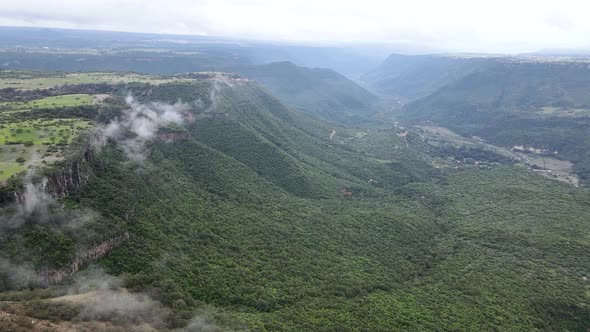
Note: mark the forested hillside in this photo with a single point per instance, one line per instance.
(47, 49)
(511, 103)
(410, 77)
(232, 211)
(322, 92)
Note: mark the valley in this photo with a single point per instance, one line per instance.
(557, 169)
(206, 191)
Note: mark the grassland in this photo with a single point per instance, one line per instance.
(28, 80)
(49, 102)
(41, 131)
(29, 142)
(8, 169)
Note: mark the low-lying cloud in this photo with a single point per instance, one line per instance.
(103, 299)
(139, 124)
(36, 206)
(457, 25)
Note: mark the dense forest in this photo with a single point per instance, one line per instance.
(509, 103)
(260, 219)
(172, 183)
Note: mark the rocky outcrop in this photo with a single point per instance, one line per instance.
(174, 136)
(69, 177)
(345, 192)
(52, 276)
(63, 179)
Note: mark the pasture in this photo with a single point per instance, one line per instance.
(35, 142)
(42, 131)
(31, 80)
(49, 102)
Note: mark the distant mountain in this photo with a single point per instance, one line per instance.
(414, 76)
(349, 60)
(516, 101)
(510, 83)
(318, 91)
(213, 52)
(250, 215)
(562, 52)
(164, 62)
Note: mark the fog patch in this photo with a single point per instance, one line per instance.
(33, 205)
(101, 298)
(139, 124)
(36, 206)
(205, 321)
(15, 276)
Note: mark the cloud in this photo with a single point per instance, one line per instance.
(36, 206)
(102, 298)
(16, 276)
(140, 124)
(460, 25)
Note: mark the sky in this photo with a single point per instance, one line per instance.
(496, 26)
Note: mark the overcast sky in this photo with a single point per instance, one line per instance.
(450, 25)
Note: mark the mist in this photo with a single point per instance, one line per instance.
(450, 26)
(138, 125)
(102, 298)
(36, 206)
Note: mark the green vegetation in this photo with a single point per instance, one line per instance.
(33, 141)
(383, 262)
(410, 77)
(264, 217)
(8, 169)
(506, 101)
(40, 80)
(161, 62)
(322, 92)
(49, 102)
(42, 131)
(33, 132)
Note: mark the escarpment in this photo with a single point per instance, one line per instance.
(70, 176)
(58, 182)
(174, 136)
(51, 276)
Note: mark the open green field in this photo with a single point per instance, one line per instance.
(49, 102)
(28, 143)
(8, 169)
(29, 80)
(42, 131)
(16, 158)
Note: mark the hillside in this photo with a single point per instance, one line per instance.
(48, 49)
(227, 210)
(540, 104)
(410, 77)
(321, 92)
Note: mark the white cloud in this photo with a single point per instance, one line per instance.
(458, 25)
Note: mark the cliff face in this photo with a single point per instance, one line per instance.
(174, 136)
(64, 179)
(52, 276)
(69, 177)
